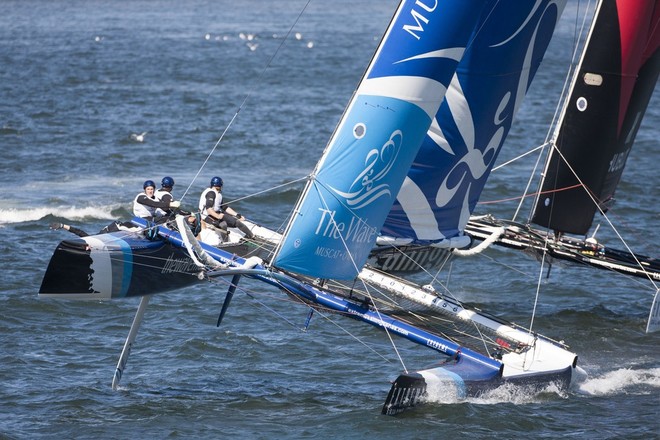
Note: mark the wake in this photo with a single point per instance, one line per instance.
(643, 381)
(624, 380)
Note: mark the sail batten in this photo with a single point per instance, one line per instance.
(416, 90)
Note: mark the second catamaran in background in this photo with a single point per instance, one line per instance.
(610, 91)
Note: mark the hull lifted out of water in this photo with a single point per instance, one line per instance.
(124, 264)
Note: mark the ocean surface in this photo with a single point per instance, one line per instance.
(78, 77)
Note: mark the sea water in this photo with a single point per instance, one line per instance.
(78, 77)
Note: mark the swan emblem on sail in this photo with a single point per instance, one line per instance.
(369, 185)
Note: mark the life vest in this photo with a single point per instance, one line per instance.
(160, 193)
(143, 211)
(217, 203)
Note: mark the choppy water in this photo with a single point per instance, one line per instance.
(78, 77)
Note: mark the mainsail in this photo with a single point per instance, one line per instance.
(615, 80)
(458, 152)
(354, 185)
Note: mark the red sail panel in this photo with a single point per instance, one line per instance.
(614, 84)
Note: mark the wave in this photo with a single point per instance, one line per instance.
(71, 213)
(623, 379)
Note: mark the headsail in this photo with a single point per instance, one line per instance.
(615, 81)
(449, 173)
(354, 185)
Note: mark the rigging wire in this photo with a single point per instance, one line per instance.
(241, 106)
(297, 300)
(258, 193)
(247, 96)
(510, 161)
(357, 270)
(605, 216)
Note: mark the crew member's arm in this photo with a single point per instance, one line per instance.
(231, 211)
(144, 200)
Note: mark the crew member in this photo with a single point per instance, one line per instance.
(216, 214)
(164, 194)
(146, 204)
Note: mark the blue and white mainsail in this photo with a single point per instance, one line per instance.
(446, 179)
(352, 189)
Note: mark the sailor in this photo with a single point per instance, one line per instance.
(112, 227)
(164, 194)
(145, 204)
(79, 232)
(216, 214)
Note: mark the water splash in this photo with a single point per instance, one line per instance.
(622, 380)
(16, 215)
(506, 393)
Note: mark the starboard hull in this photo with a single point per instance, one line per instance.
(458, 380)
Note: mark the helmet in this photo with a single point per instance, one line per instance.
(167, 182)
(148, 183)
(216, 181)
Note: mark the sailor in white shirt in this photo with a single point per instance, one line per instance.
(146, 205)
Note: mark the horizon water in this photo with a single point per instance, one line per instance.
(79, 77)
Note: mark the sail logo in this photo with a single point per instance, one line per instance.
(420, 18)
(473, 165)
(369, 185)
(618, 162)
(356, 231)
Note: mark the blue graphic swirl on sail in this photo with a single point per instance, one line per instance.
(343, 207)
(463, 142)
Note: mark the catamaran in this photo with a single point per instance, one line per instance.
(429, 64)
(609, 93)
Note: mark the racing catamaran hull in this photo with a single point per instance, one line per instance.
(123, 264)
(459, 380)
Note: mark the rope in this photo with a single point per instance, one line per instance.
(577, 185)
(593, 199)
(357, 269)
(247, 96)
(497, 233)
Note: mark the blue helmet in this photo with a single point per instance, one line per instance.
(216, 181)
(148, 183)
(167, 182)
